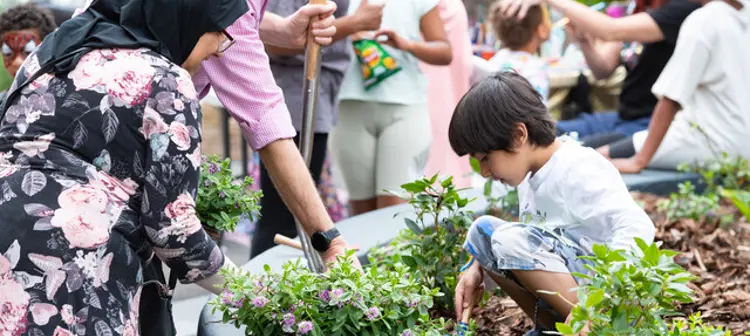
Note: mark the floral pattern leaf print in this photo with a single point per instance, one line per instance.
(96, 164)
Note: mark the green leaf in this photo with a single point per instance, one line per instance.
(433, 179)
(488, 188)
(413, 187)
(595, 297)
(475, 166)
(564, 328)
(412, 225)
(447, 182)
(409, 261)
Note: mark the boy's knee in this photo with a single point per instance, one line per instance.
(486, 225)
(510, 239)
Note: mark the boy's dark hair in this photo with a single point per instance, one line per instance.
(27, 16)
(486, 117)
(513, 33)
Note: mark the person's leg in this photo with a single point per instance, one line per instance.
(525, 300)
(587, 124)
(533, 258)
(402, 150)
(354, 145)
(602, 139)
(621, 149)
(630, 127)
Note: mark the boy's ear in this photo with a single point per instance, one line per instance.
(520, 135)
(543, 31)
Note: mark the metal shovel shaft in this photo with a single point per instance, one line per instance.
(309, 103)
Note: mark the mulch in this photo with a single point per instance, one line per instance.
(720, 256)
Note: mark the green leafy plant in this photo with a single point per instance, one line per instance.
(724, 171)
(721, 172)
(222, 200)
(687, 204)
(629, 293)
(694, 326)
(342, 301)
(432, 243)
(740, 199)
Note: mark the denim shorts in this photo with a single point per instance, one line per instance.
(501, 246)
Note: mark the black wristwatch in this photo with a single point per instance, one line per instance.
(321, 240)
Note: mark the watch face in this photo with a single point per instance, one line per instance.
(319, 242)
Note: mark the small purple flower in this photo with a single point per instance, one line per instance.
(373, 313)
(412, 304)
(206, 183)
(304, 327)
(227, 297)
(337, 293)
(213, 168)
(222, 194)
(260, 302)
(289, 319)
(407, 332)
(325, 295)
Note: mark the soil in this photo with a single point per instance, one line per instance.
(718, 255)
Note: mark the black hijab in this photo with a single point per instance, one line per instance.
(170, 27)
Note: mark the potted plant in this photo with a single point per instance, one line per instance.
(223, 200)
(343, 301)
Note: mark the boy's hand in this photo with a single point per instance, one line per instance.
(584, 331)
(470, 285)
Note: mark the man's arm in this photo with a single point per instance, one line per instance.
(664, 113)
(244, 84)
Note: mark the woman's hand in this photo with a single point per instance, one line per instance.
(519, 8)
(469, 286)
(394, 40)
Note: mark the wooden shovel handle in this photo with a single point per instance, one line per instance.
(313, 49)
(283, 240)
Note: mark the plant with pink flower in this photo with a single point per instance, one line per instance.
(344, 301)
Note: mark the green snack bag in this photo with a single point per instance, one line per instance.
(377, 64)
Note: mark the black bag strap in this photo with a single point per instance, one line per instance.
(148, 258)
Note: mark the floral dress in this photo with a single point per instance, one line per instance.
(94, 164)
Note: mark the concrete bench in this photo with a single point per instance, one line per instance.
(379, 227)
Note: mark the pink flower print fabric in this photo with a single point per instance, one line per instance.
(95, 164)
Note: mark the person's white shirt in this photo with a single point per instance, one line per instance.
(582, 193)
(709, 76)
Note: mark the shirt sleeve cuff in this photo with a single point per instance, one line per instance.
(271, 126)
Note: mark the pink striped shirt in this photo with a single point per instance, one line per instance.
(244, 84)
